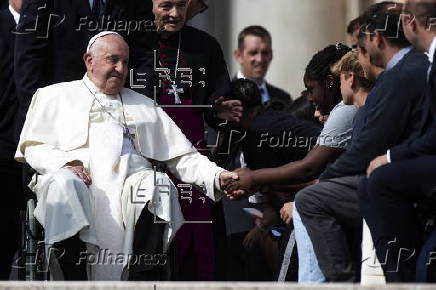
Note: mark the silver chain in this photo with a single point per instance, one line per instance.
(123, 124)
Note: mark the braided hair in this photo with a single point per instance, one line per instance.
(319, 69)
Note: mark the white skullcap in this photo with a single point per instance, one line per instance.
(97, 36)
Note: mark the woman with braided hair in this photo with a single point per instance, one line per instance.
(318, 76)
(324, 92)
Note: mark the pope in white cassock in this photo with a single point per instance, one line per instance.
(90, 141)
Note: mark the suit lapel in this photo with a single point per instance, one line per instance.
(431, 90)
(10, 21)
(431, 93)
(432, 72)
(431, 82)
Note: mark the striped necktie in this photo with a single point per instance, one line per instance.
(265, 102)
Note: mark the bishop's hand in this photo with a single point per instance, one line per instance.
(228, 110)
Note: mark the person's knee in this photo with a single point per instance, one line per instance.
(362, 191)
(377, 184)
(64, 176)
(306, 200)
(160, 184)
(65, 182)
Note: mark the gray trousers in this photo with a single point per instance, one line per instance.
(330, 212)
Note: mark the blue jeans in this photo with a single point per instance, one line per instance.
(308, 269)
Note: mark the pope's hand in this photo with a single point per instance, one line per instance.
(80, 172)
(227, 177)
(242, 187)
(376, 163)
(230, 110)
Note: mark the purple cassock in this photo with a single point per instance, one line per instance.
(207, 79)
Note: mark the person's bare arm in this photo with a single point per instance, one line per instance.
(297, 172)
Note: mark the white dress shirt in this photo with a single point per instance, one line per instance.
(15, 14)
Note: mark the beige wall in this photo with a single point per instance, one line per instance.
(299, 28)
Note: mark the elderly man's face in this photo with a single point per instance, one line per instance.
(107, 64)
(170, 15)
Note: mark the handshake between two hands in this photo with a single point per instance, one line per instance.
(238, 184)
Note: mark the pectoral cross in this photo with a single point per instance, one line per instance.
(175, 91)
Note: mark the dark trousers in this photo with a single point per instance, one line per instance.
(250, 263)
(426, 262)
(151, 263)
(330, 212)
(68, 253)
(237, 258)
(387, 204)
(11, 193)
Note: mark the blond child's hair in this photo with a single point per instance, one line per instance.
(349, 63)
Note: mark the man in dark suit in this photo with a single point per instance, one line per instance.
(391, 115)
(10, 170)
(406, 174)
(254, 55)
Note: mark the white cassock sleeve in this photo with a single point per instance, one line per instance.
(46, 158)
(195, 168)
